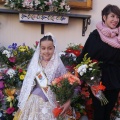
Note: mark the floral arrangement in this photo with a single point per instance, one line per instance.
(59, 6)
(88, 68)
(68, 87)
(69, 56)
(89, 71)
(67, 83)
(116, 110)
(13, 63)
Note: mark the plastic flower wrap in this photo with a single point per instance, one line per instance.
(13, 66)
(64, 87)
(89, 71)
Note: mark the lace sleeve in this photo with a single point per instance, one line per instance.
(60, 70)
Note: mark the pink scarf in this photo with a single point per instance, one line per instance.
(109, 36)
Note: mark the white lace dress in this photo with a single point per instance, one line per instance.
(37, 107)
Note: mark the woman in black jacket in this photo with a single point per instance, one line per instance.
(103, 44)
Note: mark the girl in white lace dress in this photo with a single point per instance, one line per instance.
(36, 103)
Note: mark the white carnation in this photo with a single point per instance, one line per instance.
(82, 69)
(67, 7)
(11, 72)
(90, 69)
(7, 53)
(81, 73)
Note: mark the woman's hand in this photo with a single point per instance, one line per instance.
(94, 91)
(65, 107)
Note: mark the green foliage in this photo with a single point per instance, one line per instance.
(63, 92)
(89, 69)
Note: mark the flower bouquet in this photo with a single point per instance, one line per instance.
(68, 56)
(115, 114)
(63, 87)
(89, 72)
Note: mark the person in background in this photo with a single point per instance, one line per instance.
(103, 44)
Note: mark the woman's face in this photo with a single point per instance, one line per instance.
(46, 50)
(111, 20)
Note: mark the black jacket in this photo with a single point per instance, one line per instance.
(110, 57)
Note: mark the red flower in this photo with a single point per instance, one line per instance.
(14, 67)
(76, 52)
(94, 61)
(10, 110)
(56, 111)
(20, 70)
(78, 115)
(12, 59)
(37, 42)
(69, 50)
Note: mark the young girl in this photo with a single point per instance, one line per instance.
(36, 102)
(103, 44)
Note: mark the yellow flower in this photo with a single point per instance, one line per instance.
(10, 98)
(24, 72)
(14, 52)
(22, 77)
(22, 48)
(11, 105)
(26, 48)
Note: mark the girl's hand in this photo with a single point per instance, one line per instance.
(65, 107)
(57, 104)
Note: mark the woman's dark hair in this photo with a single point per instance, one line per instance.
(49, 37)
(111, 8)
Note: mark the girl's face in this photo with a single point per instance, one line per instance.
(111, 20)
(46, 50)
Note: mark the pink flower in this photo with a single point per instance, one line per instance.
(37, 42)
(14, 67)
(1, 77)
(57, 80)
(10, 110)
(5, 71)
(94, 61)
(12, 59)
(20, 70)
(1, 84)
(1, 95)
